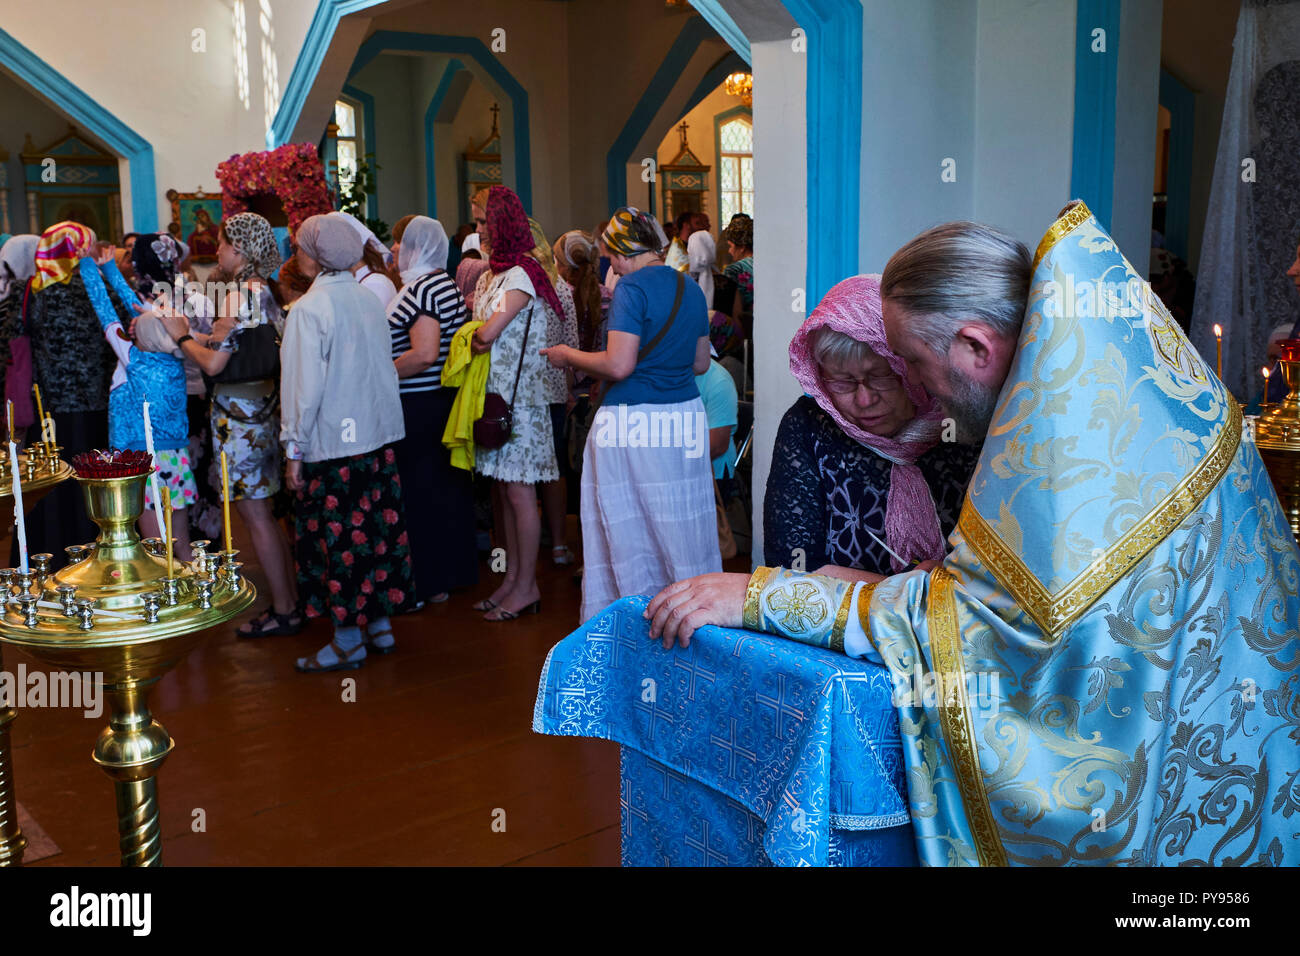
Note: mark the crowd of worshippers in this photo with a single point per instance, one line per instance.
(376, 406)
(372, 404)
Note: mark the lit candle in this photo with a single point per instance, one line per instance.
(167, 523)
(40, 409)
(225, 497)
(153, 474)
(20, 527)
(1264, 401)
(1218, 345)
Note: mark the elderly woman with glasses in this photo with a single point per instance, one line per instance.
(866, 474)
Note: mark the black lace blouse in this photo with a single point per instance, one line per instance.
(825, 488)
(71, 360)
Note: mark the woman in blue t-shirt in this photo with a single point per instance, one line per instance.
(647, 485)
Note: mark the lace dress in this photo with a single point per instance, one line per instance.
(825, 490)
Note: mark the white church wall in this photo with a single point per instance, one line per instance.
(780, 247)
(1024, 114)
(1137, 97)
(918, 113)
(126, 67)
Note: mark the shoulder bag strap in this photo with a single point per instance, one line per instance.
(672, 317)
(528, 324)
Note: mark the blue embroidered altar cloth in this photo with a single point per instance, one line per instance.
(741, 749)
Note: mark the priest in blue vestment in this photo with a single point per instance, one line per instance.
(1106, 667)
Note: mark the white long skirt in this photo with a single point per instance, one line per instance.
(648, 515)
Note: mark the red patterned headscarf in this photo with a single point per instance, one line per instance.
(510, 239)
(58, 251)
(853, 307)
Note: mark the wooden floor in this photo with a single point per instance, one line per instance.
(439, 738)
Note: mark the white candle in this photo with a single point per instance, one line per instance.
(47, 431)
(20, 527)
(153, 474)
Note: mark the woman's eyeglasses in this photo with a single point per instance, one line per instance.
(880, 385)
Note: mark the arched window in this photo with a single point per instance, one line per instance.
(735, 167)
(351, 147)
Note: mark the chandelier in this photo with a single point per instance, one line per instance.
(742, 85)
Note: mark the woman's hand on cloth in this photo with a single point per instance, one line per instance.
(558, 356)
(477, 345)
(175, 323)
(222, 328)
(680, 609)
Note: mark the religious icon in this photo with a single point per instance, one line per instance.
(196, 219)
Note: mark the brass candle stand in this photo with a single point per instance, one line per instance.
(116, 613)
(39, 470)
(1277, 436)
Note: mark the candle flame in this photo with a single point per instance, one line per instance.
(1218, 332)
(1265, 371)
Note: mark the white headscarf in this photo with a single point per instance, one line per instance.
(472, 243)
(19, 254)
(368, 237)
(423, 249)
(703, 254)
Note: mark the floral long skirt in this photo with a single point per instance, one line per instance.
(354, 559)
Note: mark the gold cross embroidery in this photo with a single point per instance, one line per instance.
(802, 601)
(1170, 343)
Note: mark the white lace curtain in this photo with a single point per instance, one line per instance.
(1253, 223)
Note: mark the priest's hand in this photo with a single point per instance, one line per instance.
(679, 609)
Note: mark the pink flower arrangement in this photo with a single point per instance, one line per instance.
(293, 173)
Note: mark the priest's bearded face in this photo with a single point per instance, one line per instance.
(968, 401)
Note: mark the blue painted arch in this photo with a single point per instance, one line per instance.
(833, 31)
(467, 49)
(720, 20)
(695, 32)
(82, 109)
(430, 117)
(320, 32)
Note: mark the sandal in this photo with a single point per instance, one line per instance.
(375, 648)
(280, 624)
(534, 608)
(312, 665)
(487, 604)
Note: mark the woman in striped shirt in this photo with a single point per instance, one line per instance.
(422, 320)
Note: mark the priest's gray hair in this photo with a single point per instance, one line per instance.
(956, 272)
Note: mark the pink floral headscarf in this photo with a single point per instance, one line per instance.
(911, 521)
